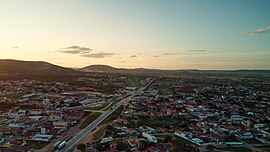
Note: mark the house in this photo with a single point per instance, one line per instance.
(42, 137)
(236, 119)
(245, 135)
(197, 141)
(147, 129)
(149, 137)
(60, 125)
(131, 88)
(107, 139)
(261, 127)
(21, 112)
(133, 143)
(55, 117)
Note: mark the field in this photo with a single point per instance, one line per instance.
(104, 106)
(92, 117)
(36, 144)
(113, 116)
(237, 149)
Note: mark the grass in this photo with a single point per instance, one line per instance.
(113, 116)
(182, 140)
(90, 119)
(109, 106)
(237, 149)
(165, 91)
(13, 97)
(252, 141)
(99, 133)
(104, 105)
(266, 148)
(36, 144)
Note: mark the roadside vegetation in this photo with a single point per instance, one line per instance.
(36, 144)
(92, 117)
(113, 116)
(101, 107)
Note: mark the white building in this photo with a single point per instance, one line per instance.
(149, 137)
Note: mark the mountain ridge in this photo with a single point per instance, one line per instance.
(10, 66)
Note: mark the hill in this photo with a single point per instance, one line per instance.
(33, 68)
(99, 68)
(109, 69)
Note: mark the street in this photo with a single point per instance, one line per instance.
(71, 144)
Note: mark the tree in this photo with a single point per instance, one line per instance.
(183, 147)
(81, 147)
(167, 139)
(121, 146)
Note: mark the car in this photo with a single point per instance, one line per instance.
(2, 140)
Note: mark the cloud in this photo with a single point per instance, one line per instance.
(133, 56)
(196, 50)
(169, 53)
(165, 54)
(98, 55)
(84, 52)
(15, 47)
(75, 50)
(259, 31)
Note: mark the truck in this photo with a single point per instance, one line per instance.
(62, 145)
(55, 145)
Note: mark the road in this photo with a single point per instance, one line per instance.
(72, 143)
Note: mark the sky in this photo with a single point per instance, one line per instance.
(160, 34)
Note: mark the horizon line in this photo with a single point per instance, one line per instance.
(138, 67)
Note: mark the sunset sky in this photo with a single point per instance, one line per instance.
(164, 34)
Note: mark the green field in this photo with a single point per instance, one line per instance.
(90, 119)
(113, 116)
(252, 141)
(99, 133)
(104, 105)
(36, 144)
(237, 149)
(14, 97)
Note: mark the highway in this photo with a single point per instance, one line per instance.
(72, 143)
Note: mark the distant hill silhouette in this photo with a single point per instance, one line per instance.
(33, 68)
(45, 68)
(109, 69)
(99, 68)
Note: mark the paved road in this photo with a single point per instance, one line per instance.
(71, 144)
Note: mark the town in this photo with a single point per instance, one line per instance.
(136, 114)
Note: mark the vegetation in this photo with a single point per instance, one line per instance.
(252, 141)
(14, 97)
(90, 119)
(36, 144)
(113, 116)
(81, 147)
(237, 149)
(183, 146)
(104, 105)
(99, 133)
(121, 146)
